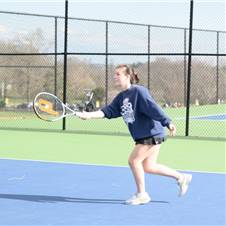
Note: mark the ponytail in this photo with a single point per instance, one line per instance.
(130, 71)
(133, 77)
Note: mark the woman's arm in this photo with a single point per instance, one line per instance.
(150, 108)
(109, 111)
(90, 115)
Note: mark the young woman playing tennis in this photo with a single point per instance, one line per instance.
(146, 122)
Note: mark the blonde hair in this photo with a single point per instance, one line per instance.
(130, 71)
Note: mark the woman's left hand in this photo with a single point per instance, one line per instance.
(172, 129)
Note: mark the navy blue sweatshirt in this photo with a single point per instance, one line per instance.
(140, 112)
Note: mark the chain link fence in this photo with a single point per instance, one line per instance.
(31, 61)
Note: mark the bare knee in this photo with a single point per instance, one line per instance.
(133, 162)
(150, 168)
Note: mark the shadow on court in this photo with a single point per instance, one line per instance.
(72, 194)
(55, 199)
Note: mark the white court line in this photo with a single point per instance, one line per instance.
(88, 164)
(199, 116)
(17, 178)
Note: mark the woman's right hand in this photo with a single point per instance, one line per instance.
(90, 115)
(83, 115)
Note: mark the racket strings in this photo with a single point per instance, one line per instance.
(48, 107)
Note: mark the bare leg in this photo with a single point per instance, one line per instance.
(138, 155)
(150, 164)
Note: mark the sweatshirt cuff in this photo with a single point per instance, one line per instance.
(166, 123)
(106, 113)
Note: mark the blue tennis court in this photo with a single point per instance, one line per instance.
(220, 117)
(44, 193)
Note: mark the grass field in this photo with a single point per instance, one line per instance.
(180, 153)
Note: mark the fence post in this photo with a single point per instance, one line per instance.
(185, 64)
(65, 58)
(149, 57)
(55, 57)
(217, 71)
(189, 69)
(106, 64)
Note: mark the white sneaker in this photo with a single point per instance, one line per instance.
(184, 183)
(139, 198)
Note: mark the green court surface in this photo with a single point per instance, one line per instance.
(179, 153)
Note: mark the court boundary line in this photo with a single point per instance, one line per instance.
(103, 165)
(195, 117)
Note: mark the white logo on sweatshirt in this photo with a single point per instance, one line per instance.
(127, 111)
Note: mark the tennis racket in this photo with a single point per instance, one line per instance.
(48, 107)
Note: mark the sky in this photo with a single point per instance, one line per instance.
(88, 37)
(207, 14)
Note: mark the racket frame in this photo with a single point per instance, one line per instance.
(64, 106)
